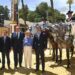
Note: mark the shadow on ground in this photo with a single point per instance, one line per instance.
(25, 72)
(64, 62)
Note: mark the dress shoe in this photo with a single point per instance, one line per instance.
(2, 68)
(0, 60)
(20, 65)
(9, 68)
(15, 68)
(43, 71)
(36, 70)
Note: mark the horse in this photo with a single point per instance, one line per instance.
(65, 43)
(61, 43)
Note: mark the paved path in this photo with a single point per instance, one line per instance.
(51, 67)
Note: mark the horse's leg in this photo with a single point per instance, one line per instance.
(48, 44)
(68, 58)
(53, 54)
(56, 54)
(72, 50)
(60, 55)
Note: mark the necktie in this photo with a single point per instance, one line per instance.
(4, 39)
(17, 35)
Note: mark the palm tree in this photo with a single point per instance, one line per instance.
(52, 5)
(23, 10)
(70, 2)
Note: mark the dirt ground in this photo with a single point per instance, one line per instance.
(51, 67)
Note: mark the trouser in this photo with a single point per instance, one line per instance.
(3, 58)
(18, 54)
(28, 55)
(40, 53)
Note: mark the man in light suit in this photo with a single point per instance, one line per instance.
(17, 44)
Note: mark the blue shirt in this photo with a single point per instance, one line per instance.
(27, 41)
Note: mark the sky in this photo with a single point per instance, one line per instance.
(60, 5)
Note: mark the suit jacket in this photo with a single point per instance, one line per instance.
(0, 44)
(39, 43)
(17, 43)
(6, 46)
(45, 37)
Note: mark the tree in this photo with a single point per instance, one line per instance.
(37, 18)
(22, 14)
(52, 4)
(1, 9)
(33, 16)
(58, 16)
(24, 11)
(70, 3)
(52, 7)
(41, 9)
(50, 15)
(74, 15)
(4, 14)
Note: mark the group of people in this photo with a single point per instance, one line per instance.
(21, 43)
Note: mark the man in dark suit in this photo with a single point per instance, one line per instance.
(6, 46)
(17, 44)
(39, 46)
(0, 47)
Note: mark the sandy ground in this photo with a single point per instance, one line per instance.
(51, 67)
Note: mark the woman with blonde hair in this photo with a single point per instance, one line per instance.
(27, 43)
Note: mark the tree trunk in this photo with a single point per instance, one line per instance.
(51, 2)
(70, 2)
(52, 6)
(23, 10)
(69, 7)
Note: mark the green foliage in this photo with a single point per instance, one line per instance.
(33, 16)
(5, 12)
(42, 10)
(70, 1)
(55, 16)
(52, 5)
(74, 15)
(23, 13)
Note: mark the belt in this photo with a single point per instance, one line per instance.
(27, 45)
